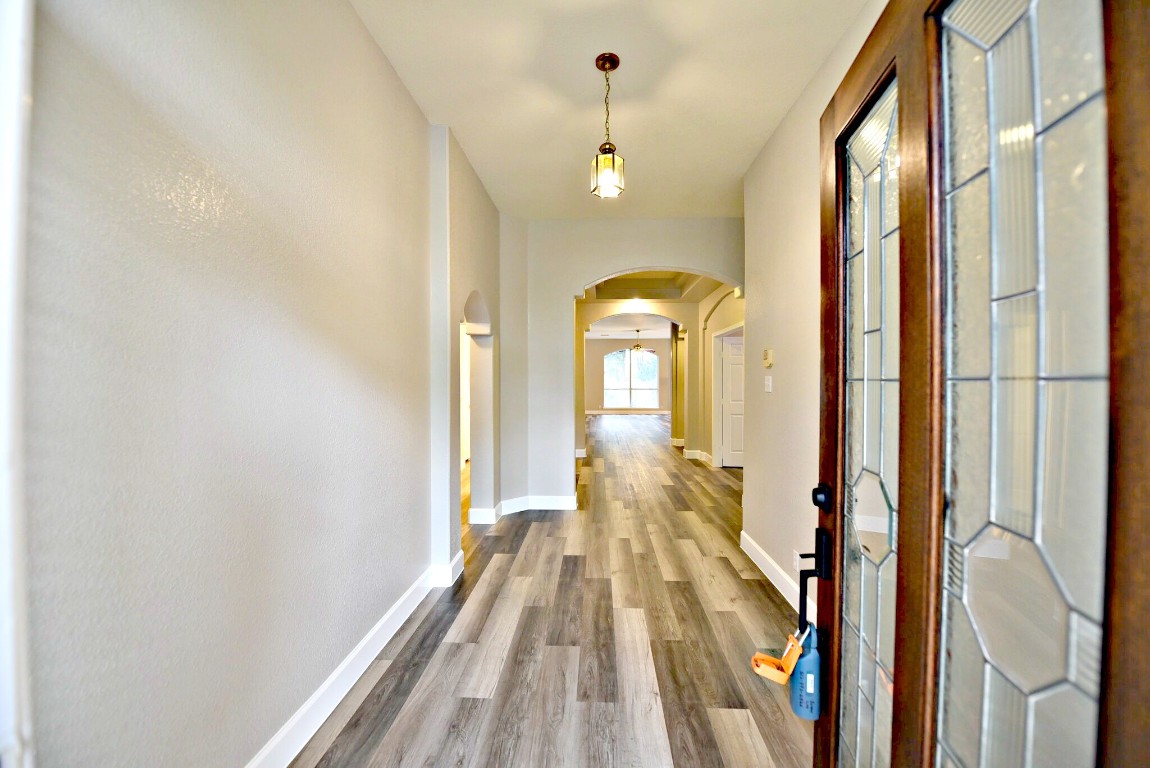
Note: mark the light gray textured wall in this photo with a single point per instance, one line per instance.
(513, 421)
(226, 375)
(781, 201)
(474, 245)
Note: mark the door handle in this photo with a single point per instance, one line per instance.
(822, 497)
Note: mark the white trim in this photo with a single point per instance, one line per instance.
(717, 370)
(782, 580)
(626, 412)
(476, 329)
(580, 453)
(702, 456)
(678, 442)
(17, 746)
(730, 328)
(523, 503)
(481, 516)
(446, 575)
(300, 727)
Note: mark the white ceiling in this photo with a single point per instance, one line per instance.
(624, 326)
(699, 90)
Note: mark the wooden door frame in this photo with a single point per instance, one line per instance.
(905, 43)
(895, 48)
(1123, 738)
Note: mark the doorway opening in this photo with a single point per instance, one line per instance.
(727, 397)
(464, 429)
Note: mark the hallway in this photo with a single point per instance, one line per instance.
(620, 634)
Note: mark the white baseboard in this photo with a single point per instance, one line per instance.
(626, 412)
(445, 575)
(782, 580)
(480, 516)
(522, 503)
(580, 453)
(678, 442)
(300, 727)
(702, 456)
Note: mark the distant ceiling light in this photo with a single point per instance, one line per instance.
(638, 344)
(607, 167)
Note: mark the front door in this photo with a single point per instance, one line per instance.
(972, 434)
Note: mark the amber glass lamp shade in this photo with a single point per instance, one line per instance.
(607, 172)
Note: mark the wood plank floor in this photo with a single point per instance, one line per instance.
(618, 635)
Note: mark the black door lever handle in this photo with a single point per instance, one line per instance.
(822, 497)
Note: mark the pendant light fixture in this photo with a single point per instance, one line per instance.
(638, 344)
(607, 167)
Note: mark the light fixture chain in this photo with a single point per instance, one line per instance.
(607, 106)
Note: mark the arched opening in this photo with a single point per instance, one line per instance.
(477, 413)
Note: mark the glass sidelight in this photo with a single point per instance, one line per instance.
(870, 523)
(1027, 365)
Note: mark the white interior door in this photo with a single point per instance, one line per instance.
(732, 407)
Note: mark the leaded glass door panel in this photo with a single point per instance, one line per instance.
(870, 442)
(1026, 263)
(984, 412)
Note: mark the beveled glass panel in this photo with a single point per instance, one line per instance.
(890, 306)
(867, 144)
(872, 519)
(887, 584)
(855, 320)
(1012, 172)
(985, 20)
(968, 280)
(968, 478)
(873, 387)
(873, 252)
(1077, 245)
(1016, 337)
(1069, 55)
(1017, 609)
(1085, 653)
(1064, 728)
(1034, 593)
(855, 408)
(1013, 447)
(867, 668)
(870, 606)
(856, 221)
(891, 162)
(848, 701)
(1005, 722)
(1075, 450)
(960, 707)
(883, 719)
(852, 575)
(872, 326)
(890, 442)
(966, 119)
(866, 731)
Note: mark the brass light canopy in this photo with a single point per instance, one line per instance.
(607, 167)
